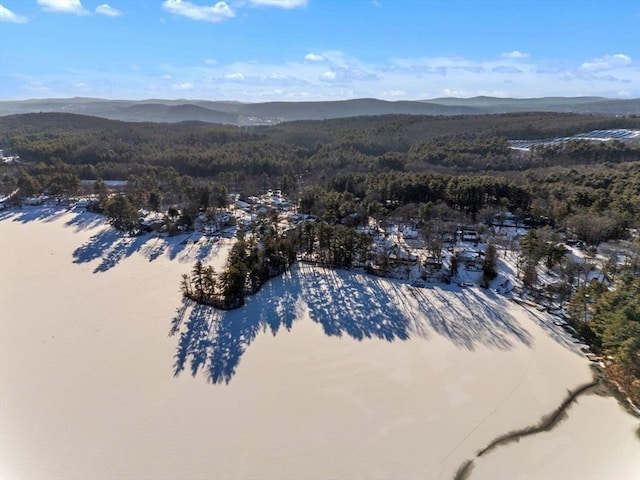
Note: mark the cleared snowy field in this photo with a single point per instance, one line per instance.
(323, 374)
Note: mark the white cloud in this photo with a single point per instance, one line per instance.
(354, 73)
(342, 76)
(314, 57)
(249, 75)
(221, 10)
(329, 76)
(216, 13)
(515, 54)
(210, 61)
(7, 15)
(455, 93)
(338, 58)
(506, 69)
(108, 10)
(63, 6)
(607, 62)
(183, 86)
(280, 3)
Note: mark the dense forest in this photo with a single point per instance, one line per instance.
(394, 165)
(610, 320)
(96, 148)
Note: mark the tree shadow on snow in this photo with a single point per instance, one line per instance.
(96, 246)
(83, 220)
(357, 305)
(343, 304)
(347, 304)
(33, 214)
(214, 341)
(79, 219)
(470, 318)
(111, 247)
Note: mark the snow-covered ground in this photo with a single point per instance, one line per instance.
(323, 373)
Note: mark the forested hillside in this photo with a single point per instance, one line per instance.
(269, 113)
(397, 142)
(376, 164)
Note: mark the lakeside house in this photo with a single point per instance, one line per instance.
(34, 201)
(468, 235)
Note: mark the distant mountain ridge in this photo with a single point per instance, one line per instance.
(237, 113)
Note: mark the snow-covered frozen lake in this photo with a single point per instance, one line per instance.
(323, 374)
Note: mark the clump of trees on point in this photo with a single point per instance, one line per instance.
(269, 253)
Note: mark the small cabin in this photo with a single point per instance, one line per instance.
(470, 236)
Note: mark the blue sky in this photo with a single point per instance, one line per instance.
(290, 50)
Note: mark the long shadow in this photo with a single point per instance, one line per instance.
(348, 304)
(111, 247)
(80, 219)
(345, 304)
(482, 306)
(96, 246)
(108, 244)
(174, 249)
(439, 322)
(123, 248)
(33, 214)
(214, 341)
(357, 305)
(154, 248)
(83, 220)
(414, 312)
(182, 247)
(187, 247)
(469, 318)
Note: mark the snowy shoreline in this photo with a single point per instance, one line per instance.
(323, 374)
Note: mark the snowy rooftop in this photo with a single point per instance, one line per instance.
(595, 135)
